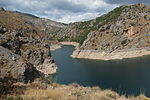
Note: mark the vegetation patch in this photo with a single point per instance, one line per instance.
(52, 78)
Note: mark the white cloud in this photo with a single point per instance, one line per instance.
(79, 17)
(95, 9)
(66, 10)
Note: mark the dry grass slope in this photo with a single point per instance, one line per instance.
(71, 92)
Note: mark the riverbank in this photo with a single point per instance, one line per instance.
(75, 44)
(60, 44)
(55, 47)
(101, 55)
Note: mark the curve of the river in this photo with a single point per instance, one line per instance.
(127, 76)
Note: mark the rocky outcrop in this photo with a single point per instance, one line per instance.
(2, 9)
(24, 50)
(55, 46)
(48, 67)
(14, 67)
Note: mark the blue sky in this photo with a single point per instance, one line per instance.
(66, 11)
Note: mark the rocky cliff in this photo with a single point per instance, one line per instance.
(24, 49)
(124, 28)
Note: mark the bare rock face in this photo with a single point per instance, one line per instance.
(23, 48)
(47, 66)
(13, 66)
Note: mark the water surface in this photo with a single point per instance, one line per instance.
(127, 76)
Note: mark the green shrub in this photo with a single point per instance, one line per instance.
(52, 78)
(80, 39)
(14, 98)
(10, 98)
(111, 16)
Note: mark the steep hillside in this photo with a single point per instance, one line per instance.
(125, 27)
(24, 50)
(43, 24)
(130, 30)
(78, 31)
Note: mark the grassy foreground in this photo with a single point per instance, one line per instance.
(36, 91)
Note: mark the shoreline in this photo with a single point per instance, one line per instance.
(122, 54)
(75, 44)
(55, 47)
(101, 55)
(60, 44)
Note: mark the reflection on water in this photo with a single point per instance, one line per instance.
(127, 76)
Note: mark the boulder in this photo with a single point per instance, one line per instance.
(48, 67)
(2, 9)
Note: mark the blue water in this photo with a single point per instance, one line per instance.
(127, 76)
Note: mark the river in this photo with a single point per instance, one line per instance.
(127, 76)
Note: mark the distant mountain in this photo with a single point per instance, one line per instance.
(25, 14)
(43, 24)
(122, 28)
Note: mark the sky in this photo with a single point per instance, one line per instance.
(66, 11)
